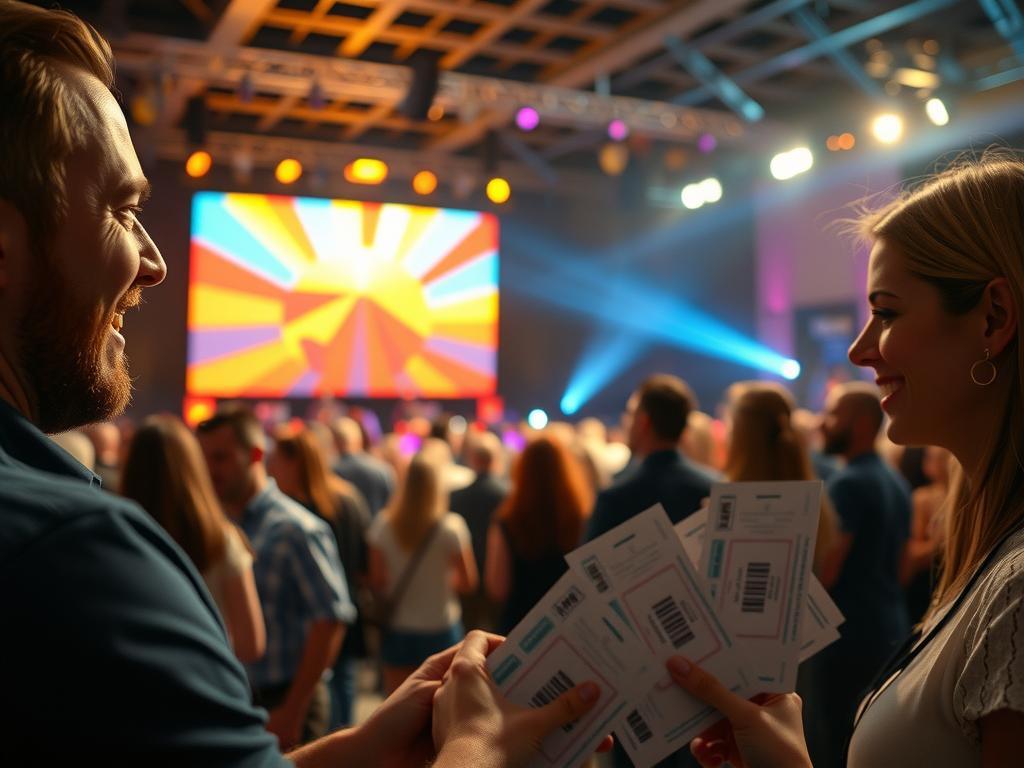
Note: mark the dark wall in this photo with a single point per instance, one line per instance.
(540, 342)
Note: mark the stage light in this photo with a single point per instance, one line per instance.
(707, 143)
(832, 143)
(936, 111)
(424, 183)
(288, 171)
(498, 190)
(537, 419)
(847, 141)
(198, 164)
(366, 170)
(692, 196)
(618, 130)
(527, 119)
(613, 158)
(887, 128)
(435, 113)
(711, 188)
(790, 369)
(786, 165)
(607, 354)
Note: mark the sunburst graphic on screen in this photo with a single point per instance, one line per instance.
(300, 297)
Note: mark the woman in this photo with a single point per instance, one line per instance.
(765, 446)
(946, 288)
(421, 559)
(165, 473)
(542, 519)
(298, 466)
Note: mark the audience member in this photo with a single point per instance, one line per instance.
(372, 477)
(165, 473)
(106, 440)
(299, 576)
(297, 465)
(454, 476)
(477, 503)
(698, 441)
(808, 426)
(78, 446)
(862, 569)
(656, 416)
(917, 568)
(149, 678)
(421, 559)
(540, 522)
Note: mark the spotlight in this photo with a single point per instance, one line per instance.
(537, 419)
(707, 143)
(847, 141)
(424, 183)
(936, 111)
(887, 128)
(435, 113)
(198, 164)
(366, 170)
(692, 196)
(618, 130)
(711, 188)
(786, 165)
(613, 158)
(832, 143)
(790, 369)
(498, 190)
(288, 171)
(527, 119)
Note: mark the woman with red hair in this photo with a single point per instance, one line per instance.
(541, 520)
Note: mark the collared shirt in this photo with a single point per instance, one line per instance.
(299, 578)
(102, 608)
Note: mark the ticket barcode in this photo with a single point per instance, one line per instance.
(551, 690)
(594, 572)
(673, 622)
(755, 587)
(725, 508)
(639, 727)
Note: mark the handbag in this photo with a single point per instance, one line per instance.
(378, 611)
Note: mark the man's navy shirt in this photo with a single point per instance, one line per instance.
(111, 649)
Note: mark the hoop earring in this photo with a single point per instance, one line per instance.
(991, 370)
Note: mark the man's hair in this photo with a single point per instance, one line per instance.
(864, 401)
(39, 117)
(667, 400)
(243, 423)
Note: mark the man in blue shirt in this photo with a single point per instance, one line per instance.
(299, 578)
(112, 651)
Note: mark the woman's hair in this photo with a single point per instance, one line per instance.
(40, 121)
(549, 502)
(166, 474)
(958, 231)
(419, 503)
(765, 446)
(317, 484)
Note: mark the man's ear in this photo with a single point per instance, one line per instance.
(13, 241)
(1001, 309)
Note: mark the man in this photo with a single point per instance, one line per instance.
(655, 419)
(861, 571)
(299, 578)
(372, 477)
(477, 503)
(113, 652)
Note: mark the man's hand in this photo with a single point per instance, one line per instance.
(286, 724)
(475, 725)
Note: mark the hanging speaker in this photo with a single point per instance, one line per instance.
(423, 86)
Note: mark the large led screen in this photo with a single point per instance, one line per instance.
(302, 297)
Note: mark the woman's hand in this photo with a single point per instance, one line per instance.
(767, 732)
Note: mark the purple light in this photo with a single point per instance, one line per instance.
(409, 443)
(527, 119)
(707, 143)
(618, 130)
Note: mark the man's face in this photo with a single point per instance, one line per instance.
(229, 463)
(68, 345)
(837, 426)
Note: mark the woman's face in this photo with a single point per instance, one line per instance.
(921, 355)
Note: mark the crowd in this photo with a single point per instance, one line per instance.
(205, 596)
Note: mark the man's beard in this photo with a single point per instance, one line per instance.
(62, 350)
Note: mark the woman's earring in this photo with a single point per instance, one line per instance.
(988, 374)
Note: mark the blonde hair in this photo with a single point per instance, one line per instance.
(765, 446)
(958, 231)
(39, 125)
(419, 504)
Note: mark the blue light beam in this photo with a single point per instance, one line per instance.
(607, 355)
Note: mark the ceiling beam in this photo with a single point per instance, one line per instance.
(816, 29)
(379, 20)
(489, 33)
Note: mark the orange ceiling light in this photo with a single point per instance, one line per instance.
(198, 164)
(498, 190)
(288, 171)
(366, 170)
(424, 183)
